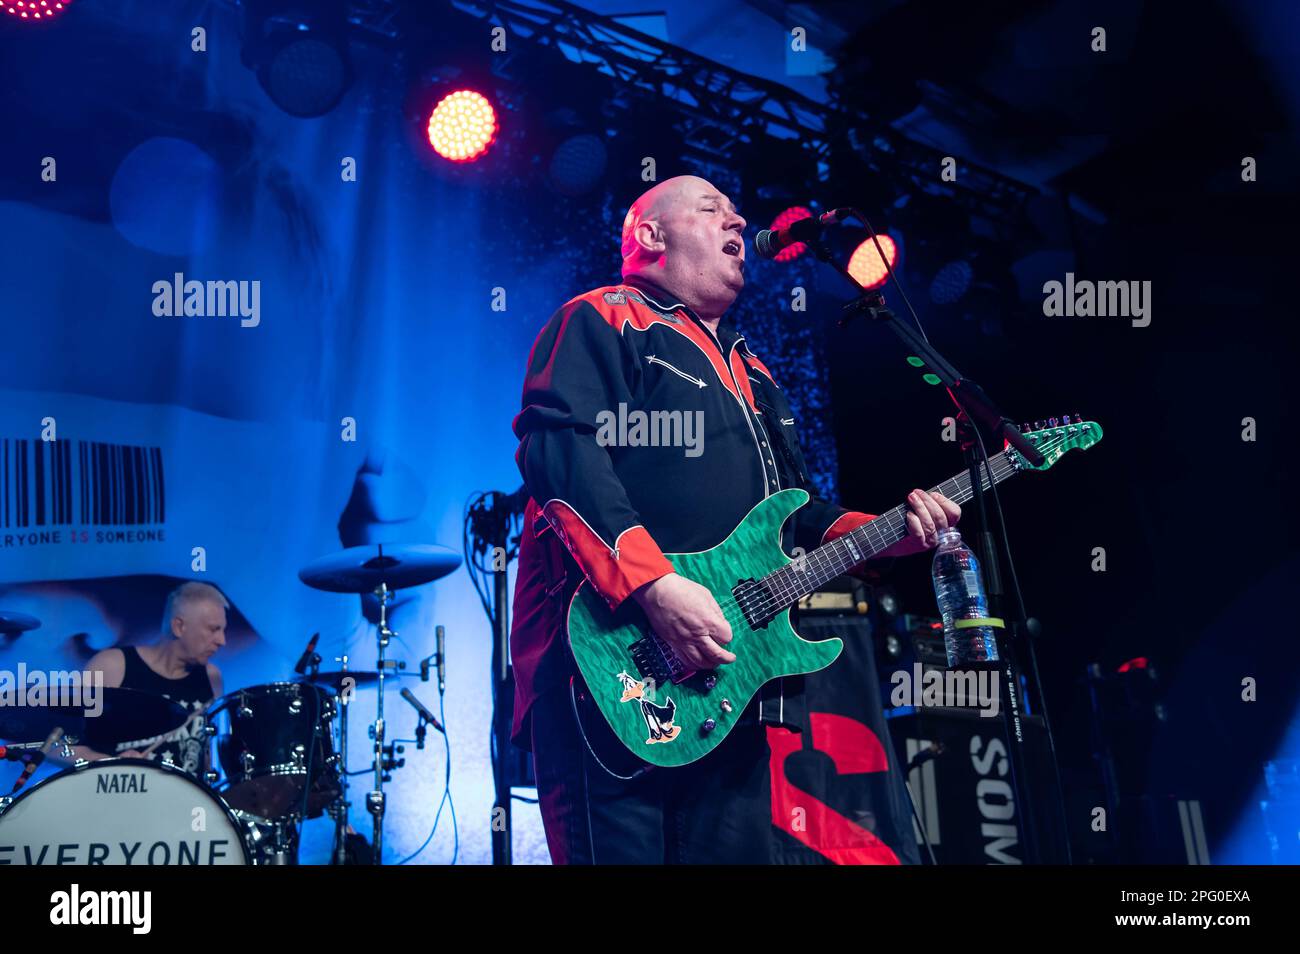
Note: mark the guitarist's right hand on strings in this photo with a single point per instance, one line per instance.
(686, 616)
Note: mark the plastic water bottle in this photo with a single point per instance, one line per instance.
(960, 594)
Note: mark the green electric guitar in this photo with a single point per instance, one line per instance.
(665, 713)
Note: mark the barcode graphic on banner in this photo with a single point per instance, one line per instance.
(81, 483)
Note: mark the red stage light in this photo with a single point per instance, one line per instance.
(865, 264)
(784, 221)
(462, 126)
(34, 9)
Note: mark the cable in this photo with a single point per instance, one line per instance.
(983, 461)
(890, 270)
(1023, 616)
(446, 795)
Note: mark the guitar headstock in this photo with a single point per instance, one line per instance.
(1055, 439)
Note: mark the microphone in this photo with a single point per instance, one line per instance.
(425, 714)
(436, 657)
(37, 759)
(305, 658)
(769, 242)
(439, 632)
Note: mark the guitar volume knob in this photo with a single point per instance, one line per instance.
(708, 725)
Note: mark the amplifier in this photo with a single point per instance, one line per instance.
(960, 780)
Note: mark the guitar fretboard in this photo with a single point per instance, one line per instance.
(814, 570)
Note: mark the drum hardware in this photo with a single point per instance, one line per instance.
(33, 723)
(31, 764)
(60, 754)
(271, 841)
(339, 681)
(379, 570)
(55, 750)
(375, 802)
(343, 804)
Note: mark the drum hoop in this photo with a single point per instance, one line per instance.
(277, 688)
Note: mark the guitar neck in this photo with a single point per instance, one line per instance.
(809, 573)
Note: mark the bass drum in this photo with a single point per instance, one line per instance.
(120, 812)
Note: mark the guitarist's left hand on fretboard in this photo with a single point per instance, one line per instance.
(928, 513)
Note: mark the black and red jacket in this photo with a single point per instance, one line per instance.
(608, 512)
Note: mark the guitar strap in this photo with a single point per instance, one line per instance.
(782, 702)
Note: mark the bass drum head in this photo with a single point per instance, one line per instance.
(120, 812)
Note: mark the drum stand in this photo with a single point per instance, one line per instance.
(339, 810)
(375, 798)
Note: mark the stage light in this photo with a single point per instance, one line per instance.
(865, 264)
(951, 282)
(578, 164)
(783, 221)
(299, 52)
(462, 126)
(34, 9)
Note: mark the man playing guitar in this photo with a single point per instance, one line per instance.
(607, 508)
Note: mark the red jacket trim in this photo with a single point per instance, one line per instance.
(615, 572)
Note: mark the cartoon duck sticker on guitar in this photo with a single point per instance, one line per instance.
(658, 719)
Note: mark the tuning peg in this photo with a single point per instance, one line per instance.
(1038, 425)
(1078, 418)
(1053, 421)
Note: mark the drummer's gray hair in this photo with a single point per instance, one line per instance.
(187, 594)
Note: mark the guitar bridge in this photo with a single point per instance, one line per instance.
(656, 660)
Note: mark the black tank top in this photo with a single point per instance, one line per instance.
(192, 691)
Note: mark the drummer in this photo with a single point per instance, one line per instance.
(177, 667)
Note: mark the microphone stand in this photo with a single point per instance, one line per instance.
(489, 526)
(976, 408)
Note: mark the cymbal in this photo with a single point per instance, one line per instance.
(11, 622)
(34, 724)
(360, 677)
(131, 716)
(119, 715)
(362, 569)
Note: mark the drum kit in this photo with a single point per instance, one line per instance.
(276, 752)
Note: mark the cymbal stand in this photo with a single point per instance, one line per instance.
(342, 805)
(375, 799)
